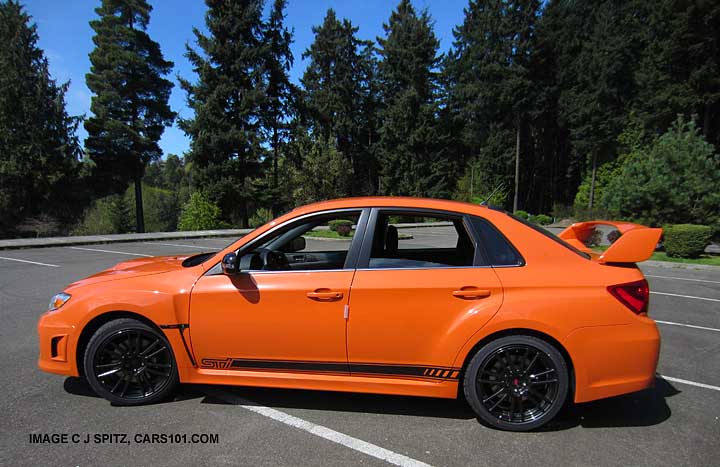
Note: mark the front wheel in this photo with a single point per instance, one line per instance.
(130, 363)
(516, 383)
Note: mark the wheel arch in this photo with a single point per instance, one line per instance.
(95, 323)
(520, 332)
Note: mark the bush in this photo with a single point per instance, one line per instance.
(674, 179)
(686, 240)
(542, 219)
(260, 217)
(160, 208)
(107, 215)
(342, 226)
(199, 213)
(522, 214)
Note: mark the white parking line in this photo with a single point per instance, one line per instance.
(686, 325)
(686, 296)
(323, 432)
(683, 279)
(30, 262)
(108, 251)
(199, 247)
(691, 383)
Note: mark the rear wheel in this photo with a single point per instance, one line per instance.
(130, 363)
(516, 383)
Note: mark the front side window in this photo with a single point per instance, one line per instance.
(317, 243)
(408, 240)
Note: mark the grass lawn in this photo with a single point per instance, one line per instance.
(333, 234)
(328, 234)
(662, 256)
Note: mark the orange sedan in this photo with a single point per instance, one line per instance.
(406, 296)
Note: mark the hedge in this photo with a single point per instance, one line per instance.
(686, 240)
(542, 219)
(342, 226)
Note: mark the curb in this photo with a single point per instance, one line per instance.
(20, 243)
(671, 265)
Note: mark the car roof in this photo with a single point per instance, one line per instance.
(393, 201)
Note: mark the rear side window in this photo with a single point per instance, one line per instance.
(497, 247)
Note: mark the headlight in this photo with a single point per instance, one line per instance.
(58, 300)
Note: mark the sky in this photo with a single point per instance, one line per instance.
(66, 37)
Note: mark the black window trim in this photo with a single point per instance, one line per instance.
(363, 263)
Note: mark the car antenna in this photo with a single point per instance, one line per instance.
(485, 201)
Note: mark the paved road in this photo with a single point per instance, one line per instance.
(675, 423)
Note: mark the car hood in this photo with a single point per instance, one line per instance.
(134, 268)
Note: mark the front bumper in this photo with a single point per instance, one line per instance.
(613, 360)
(58, 342)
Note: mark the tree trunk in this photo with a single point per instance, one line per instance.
(276, 154)
(517, 167)
(591, 198)
(139, 215)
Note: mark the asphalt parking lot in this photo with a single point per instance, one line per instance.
(676, 423)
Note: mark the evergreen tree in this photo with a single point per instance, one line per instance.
(38, 148)
(679, 72)
(130, 106)
(411, 157)
(597, 46)
(491, 88)
(277, 108)
(228, 98)
(339, 96)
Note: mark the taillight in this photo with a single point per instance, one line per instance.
(634, 295)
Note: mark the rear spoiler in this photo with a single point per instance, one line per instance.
(636, 242)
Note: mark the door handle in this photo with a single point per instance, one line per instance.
(325, 294)
(470, 293)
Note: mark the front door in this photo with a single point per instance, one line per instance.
(286, 310)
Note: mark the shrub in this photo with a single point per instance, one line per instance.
(342, 226)
(160, 208)
(674, 179)
(199, 213)
(542, 219)
(260, 216)
(686, 240)
(522, 214)
(107, 215)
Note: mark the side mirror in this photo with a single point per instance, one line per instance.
(229, 264)
(297, 244)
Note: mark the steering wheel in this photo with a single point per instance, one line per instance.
(273, 260)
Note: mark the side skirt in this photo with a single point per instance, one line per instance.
(446, 388)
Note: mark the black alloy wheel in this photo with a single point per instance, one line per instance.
(516, 383)
(129, 363)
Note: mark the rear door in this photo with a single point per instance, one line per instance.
(419, 293)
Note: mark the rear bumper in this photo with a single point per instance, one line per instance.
(57, 341)
(613, 360)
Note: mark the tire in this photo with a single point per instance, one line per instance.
(516, 383)
(130, 363)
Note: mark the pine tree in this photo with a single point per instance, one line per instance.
(411, 159)
(491, 89)
(339, 96)
(228, 98)
(38, 148)
(130, 106)
(679, 71)
(597, 46)
(280, 92)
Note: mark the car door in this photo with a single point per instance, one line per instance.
(283, 319)
(418, 295)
